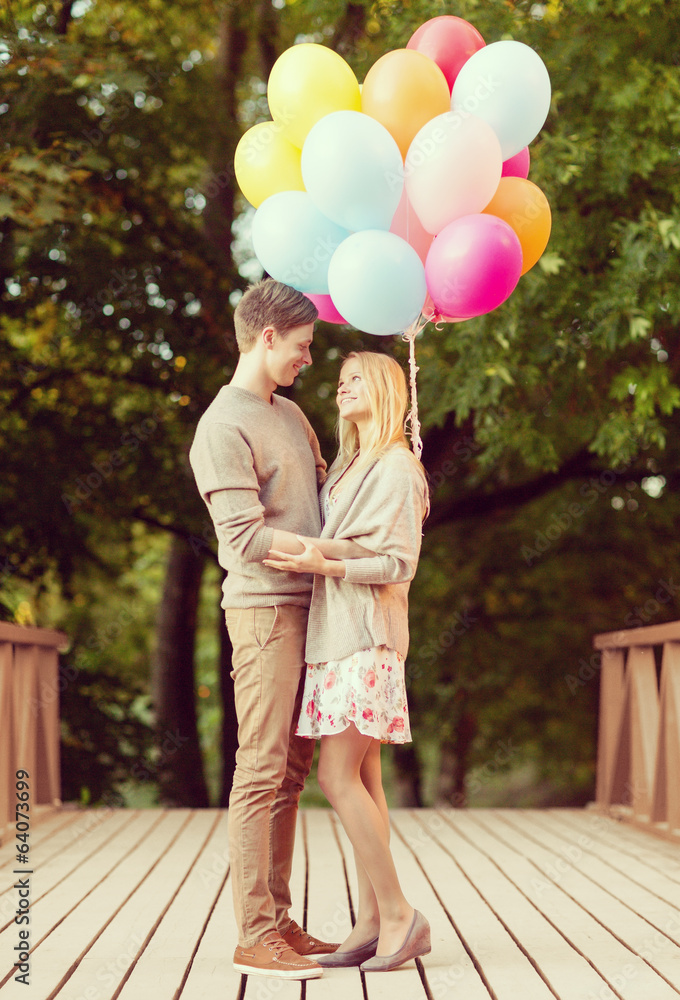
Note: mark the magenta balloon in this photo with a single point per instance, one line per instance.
(517, 165)
(473, 266)
(327, 311)
(449, 41)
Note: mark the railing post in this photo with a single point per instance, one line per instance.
(612, 692)
(666, 794)
(29, 721)
(638, 753)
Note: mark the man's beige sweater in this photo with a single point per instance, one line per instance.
(258, 467)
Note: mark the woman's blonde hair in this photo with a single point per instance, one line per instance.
(387, 396)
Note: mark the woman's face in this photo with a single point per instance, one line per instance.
(351, 397)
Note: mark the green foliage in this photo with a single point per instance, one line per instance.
(117, 287)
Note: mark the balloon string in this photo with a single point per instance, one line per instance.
(412, 423)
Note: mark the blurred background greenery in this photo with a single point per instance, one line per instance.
(549, 426)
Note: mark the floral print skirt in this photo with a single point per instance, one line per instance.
(367, 688)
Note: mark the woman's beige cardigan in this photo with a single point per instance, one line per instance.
(382, 508)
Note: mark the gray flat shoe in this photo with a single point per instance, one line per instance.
(416, 942)
(346, 959)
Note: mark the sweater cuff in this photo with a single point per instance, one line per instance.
(365, 570)
(260, 545)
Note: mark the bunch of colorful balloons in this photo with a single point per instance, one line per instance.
(406, 196)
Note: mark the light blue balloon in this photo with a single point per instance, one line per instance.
(294, 241)
(507, 84)
(353, 170)
(377, 282)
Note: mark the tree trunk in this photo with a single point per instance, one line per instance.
(453, 763)
(179, 769)
(229, 723)
(221, 187)
(407, 777)
(65, 15)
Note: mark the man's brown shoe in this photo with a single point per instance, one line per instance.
(304, 943)
(273, 957)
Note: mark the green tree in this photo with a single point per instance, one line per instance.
(118, 270)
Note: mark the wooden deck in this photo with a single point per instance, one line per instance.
(524, 905)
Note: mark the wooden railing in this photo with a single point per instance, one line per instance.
(638, 755)
(29, 716)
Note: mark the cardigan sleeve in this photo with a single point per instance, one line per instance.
(389, 517)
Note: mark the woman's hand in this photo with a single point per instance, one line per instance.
(309, 561)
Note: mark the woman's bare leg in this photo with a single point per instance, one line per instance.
(341, 774)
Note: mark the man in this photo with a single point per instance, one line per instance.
(257, 466)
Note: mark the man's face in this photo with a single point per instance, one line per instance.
(289, 353)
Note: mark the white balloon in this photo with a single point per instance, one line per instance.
(377, 282)
(353, 171)
(294, 241)
(507, 84)
(453, 167)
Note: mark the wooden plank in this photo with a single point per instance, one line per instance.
(662, 915)
(609, 935)
(117, 947)
(505, 880)
(328, 902)
(666, 792)
(612, 692)
(649, 635)
(67, 941)
(120, 936)
(404, 981)
(24, 696)
(448, 970)
(32, 636)
(631, 851)
(43, 828)
(47, 781)
(7, 740)
(506, 971)
(48, 878)
(162, 967)
(212, 973)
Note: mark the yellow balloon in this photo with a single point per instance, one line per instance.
(307, 82)
(403, 90)
(266, 163)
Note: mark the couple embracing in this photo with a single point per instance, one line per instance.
(316, 604)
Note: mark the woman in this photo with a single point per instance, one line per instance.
(357, 640)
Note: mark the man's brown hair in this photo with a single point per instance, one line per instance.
(270, 303)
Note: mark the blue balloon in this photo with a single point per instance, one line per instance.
(507, 84)
(295, 242)
(377, 282)
(353, 170)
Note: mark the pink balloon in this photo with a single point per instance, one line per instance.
(406, 224)
(517, 165)
(473, 266)
(327, 311)
(449, 41)
(432, 314)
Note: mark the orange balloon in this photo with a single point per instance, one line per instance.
(525, 208)
(403, 90)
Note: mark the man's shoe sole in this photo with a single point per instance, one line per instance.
(274, 973)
